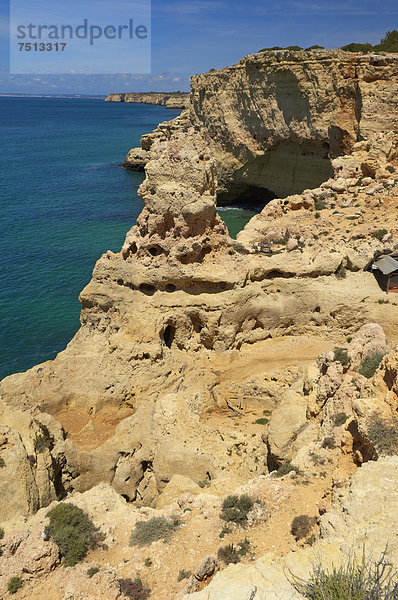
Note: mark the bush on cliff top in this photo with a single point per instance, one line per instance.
(388, 44)
(133, 589)
(352, 581)
(236, 508)
(157, 528)
(383, 435)
(73, 532)
(14, 584)
(301, 526)
(370, 364)
(341, 356)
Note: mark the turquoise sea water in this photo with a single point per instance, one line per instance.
(236, 218)
(64, 202)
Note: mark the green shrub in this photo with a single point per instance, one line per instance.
(157, 528)
(339, 419)
(73, 532)
(389, 43)
(329, 443)
(92, 571)
(320, 204)
(240, 248)
(229, 554)
(133, 589)
(183, 574)
(271, 49)
(262, 421)
(41, 443)
(383, 435)
(205, 483)
(352, 581)
(236, 508)
(317, 215)
(341, 356)
(2, 463)
(370, 364)
(148, 562)
(379, 234)
(316, 47)
(14, 584)
(301, 526)
(285, 468)
(390, 169)
(354, 47)
(244, 547)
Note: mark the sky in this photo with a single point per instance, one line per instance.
(193, 36)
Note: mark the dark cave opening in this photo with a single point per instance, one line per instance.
(237, 208)
(291, 167)
(249, 196)
(168, 335)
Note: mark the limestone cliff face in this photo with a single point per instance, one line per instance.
(133, 388)
(169, 99)
(275, 119)
(281, 116)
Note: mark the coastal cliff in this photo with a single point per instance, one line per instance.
(169, 99)
(189, 338)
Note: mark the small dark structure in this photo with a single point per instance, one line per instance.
(388, 266)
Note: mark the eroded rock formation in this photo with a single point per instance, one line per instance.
(182, 325)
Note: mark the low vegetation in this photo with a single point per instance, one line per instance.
(73, 532)
(133, 589)
(236, 508)
(341, 356)
(1, 533)
(183, 574)
(329, 443)
(41, 444)
(2, 463)
(320, 204)
(294, 48)
(339, 419)
(383, 435)
(157, 528)
(92, 571)
(14, 584)
(286, 468)
(379, 234)
(352, 581)
(229, 554)
(301, 526)
(388, 44)
(261, 421)
(370, 364)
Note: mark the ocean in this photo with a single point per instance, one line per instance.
(65, 201)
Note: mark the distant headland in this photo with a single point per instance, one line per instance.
(168, 99)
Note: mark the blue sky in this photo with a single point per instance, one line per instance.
(193, 36)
